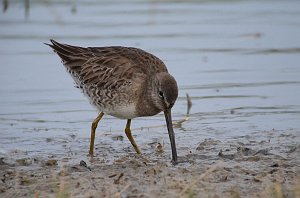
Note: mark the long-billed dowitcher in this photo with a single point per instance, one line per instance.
(123, 82)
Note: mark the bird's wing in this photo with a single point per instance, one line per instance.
(95, 65)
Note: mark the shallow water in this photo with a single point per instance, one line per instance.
(238, 61)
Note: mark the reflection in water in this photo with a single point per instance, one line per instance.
(239, 68)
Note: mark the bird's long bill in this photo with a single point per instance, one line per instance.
(171, 135)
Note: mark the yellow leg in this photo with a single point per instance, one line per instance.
(128, 134)
(93, 132)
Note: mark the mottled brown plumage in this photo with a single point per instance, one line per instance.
(124, 82)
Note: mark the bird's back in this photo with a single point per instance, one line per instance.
(95, 61)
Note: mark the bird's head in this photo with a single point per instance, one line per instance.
(165, 92)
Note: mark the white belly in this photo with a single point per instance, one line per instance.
(123, 112)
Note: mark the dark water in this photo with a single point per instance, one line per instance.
(238, 60)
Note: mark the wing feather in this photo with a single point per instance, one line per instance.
(106, 66)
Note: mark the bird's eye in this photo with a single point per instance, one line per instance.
(161, 94)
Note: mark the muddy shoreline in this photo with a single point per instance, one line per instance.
(241, 167)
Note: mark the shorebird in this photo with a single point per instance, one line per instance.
(124, 82)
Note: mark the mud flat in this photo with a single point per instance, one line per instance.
(245, 166)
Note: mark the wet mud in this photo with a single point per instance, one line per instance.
(244, 166)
